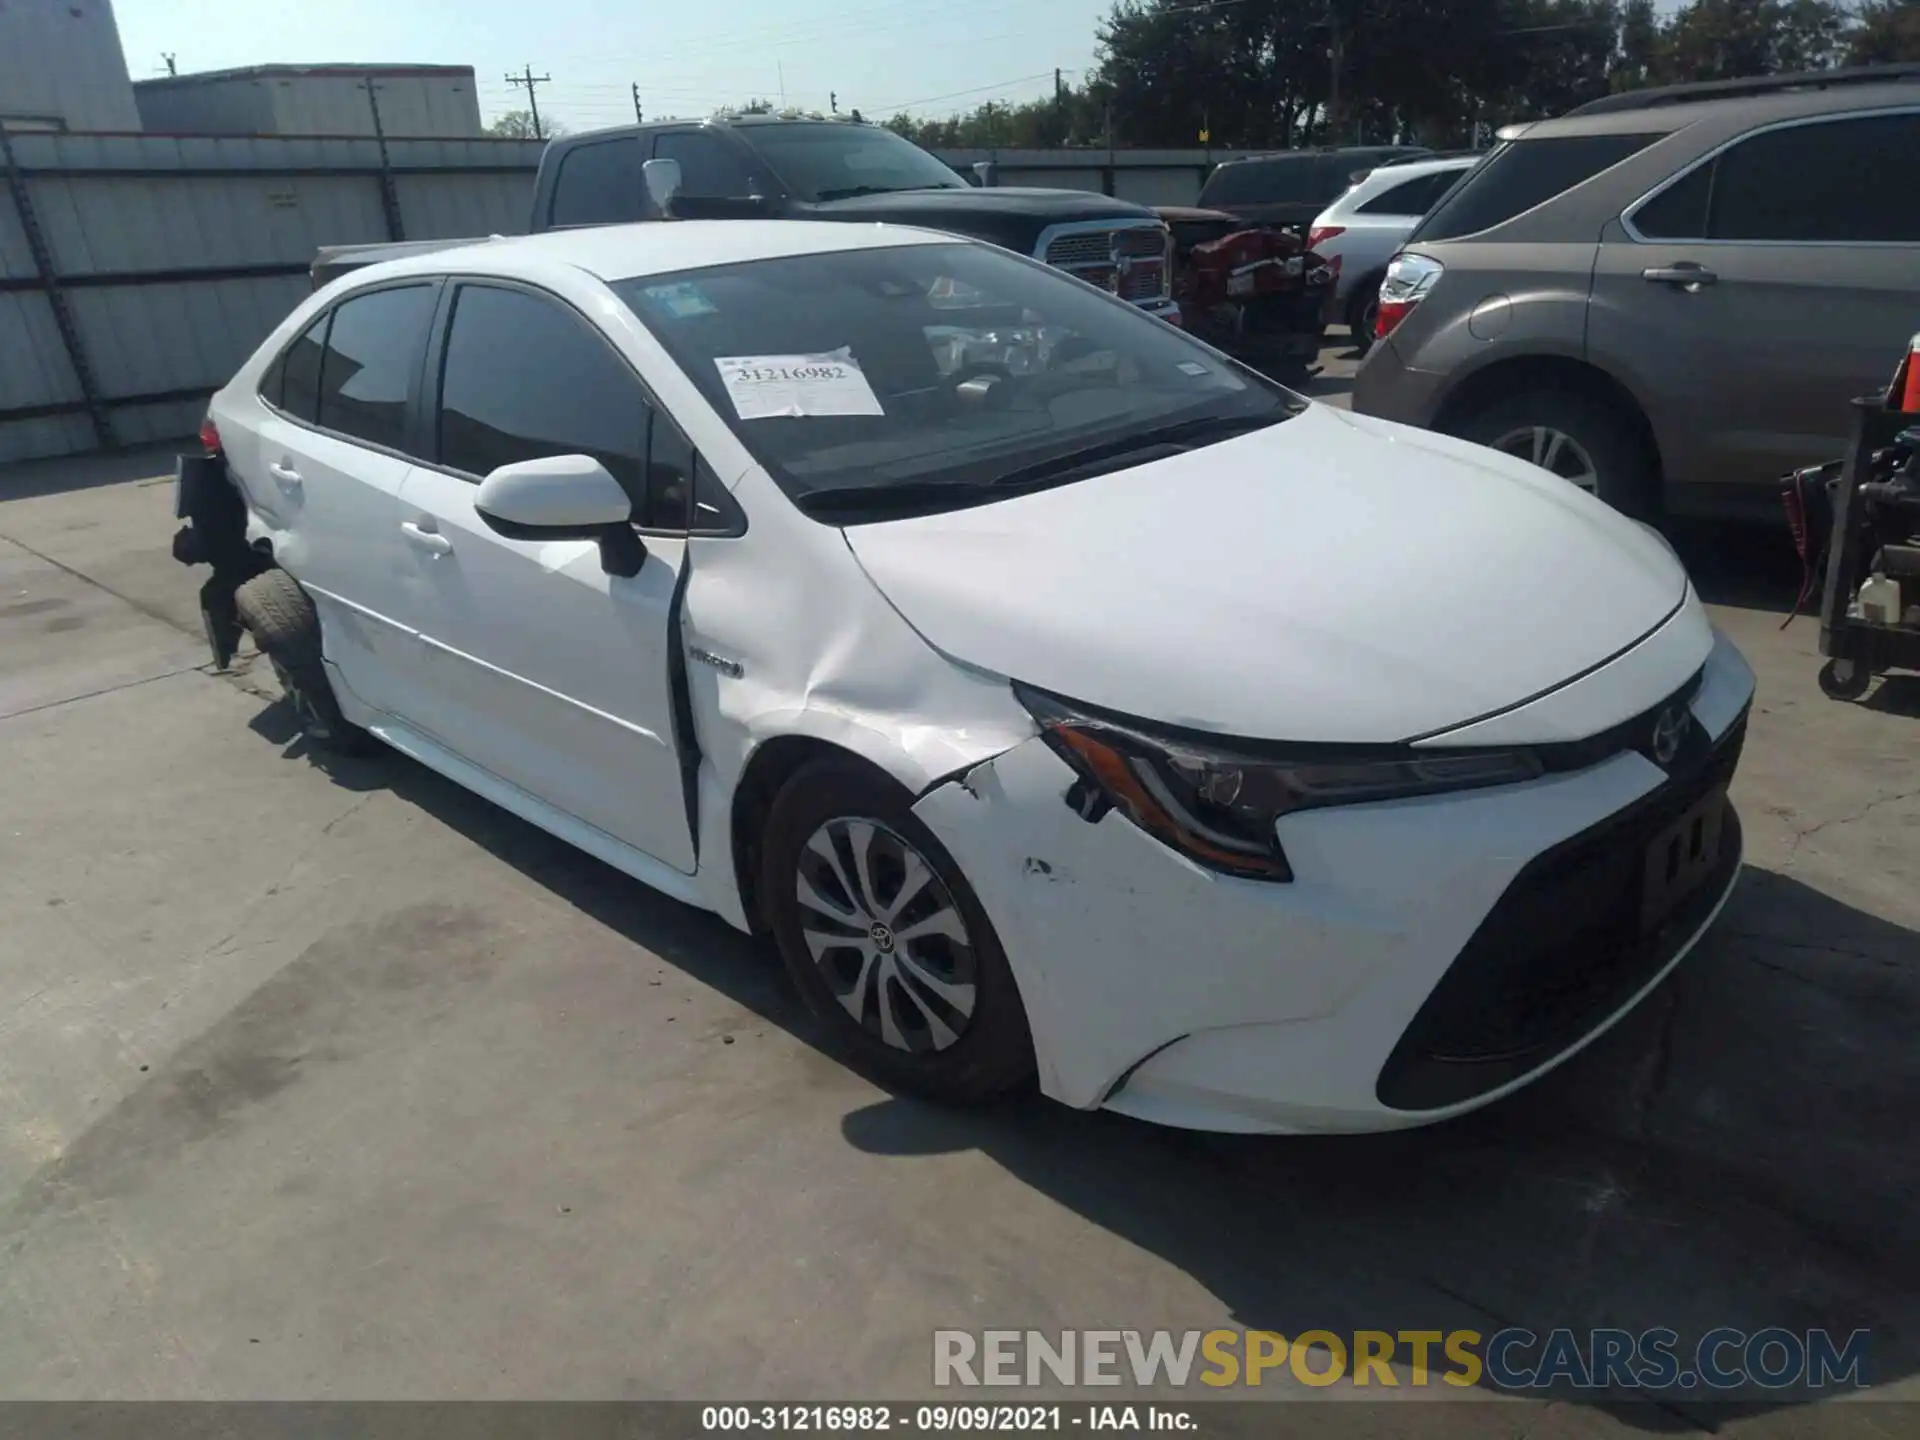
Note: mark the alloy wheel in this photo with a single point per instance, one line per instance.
(886, 935)
(1553, 450)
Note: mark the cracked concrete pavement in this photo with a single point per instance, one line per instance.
(342, 1083)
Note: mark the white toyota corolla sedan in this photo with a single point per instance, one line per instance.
(1067, 701)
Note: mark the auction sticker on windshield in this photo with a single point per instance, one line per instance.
(763, 387)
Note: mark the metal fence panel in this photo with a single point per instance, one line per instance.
(34, 369)
(452, 207)
(48, 435)
(152, 339)
(126, 224)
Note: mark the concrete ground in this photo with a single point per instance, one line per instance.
(340, 1083)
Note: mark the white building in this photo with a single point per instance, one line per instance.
(414, 100)
(61, 67)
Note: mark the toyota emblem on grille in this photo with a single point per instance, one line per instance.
(1669, 729)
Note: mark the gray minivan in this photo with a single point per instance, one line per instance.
(1667, 297)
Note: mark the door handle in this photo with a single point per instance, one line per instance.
(284, 475)
(432, 541)
(1690, 277)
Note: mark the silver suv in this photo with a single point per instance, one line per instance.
(1667, 297)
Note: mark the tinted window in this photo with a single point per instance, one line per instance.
(299, 365)
(710, 167)
(601, 184)
(939, 363)
(1262, 182)
(525, 378)
(1678, 212)
(372, 356)
(1410, 197)
(1838, 180)
(830, 161)
(1522, 174)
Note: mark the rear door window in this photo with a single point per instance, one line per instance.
(601, 184)
(1522, 174)
(373, 354)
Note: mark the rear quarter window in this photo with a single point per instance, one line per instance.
(1522, 174)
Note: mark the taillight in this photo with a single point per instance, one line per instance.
(1409, 278)
(210, 436)
(1321, 233)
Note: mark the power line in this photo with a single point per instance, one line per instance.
(531, 81)
(898, 105)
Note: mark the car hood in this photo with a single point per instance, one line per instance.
(1331, 578)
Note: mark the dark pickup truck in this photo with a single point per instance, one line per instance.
(777, 168)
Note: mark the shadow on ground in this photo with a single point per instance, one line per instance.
(30, 478)
(1737, 1153)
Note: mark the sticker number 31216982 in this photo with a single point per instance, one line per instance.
(763, 387)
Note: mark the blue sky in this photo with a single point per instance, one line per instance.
(688, 58)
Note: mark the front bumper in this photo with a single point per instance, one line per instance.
(1386, 387)
(1352, 998)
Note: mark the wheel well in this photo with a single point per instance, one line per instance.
(769, 768)
(1547, 372)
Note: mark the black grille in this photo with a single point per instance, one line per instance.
(1562, 948)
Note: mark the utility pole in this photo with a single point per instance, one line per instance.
(531, 82)
(638, 117)
(167, 55)
(833, 100)
(1336, 55)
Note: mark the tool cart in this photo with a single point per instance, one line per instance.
(1870, 600)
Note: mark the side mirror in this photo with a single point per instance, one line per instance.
(988, 173)
(565, 497)
(662, 178)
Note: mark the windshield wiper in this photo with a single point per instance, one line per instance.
(1179, 435)
(1073, 464)
(850, 191)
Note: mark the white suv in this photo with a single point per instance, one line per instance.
(1359, 233)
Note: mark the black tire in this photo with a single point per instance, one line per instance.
(282, 620)
(1361, 305)
(1624, 474)
(990, 1053)
(1857, 680)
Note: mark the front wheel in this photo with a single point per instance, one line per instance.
(885, 939)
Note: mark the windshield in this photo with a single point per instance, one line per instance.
(835, 160)
(936, 367)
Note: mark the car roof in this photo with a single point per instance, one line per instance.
(1295, 156)
(622, 252)
(1668, 116)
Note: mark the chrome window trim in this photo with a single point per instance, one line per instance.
(1798, 121)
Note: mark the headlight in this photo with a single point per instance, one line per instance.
(1219, 801)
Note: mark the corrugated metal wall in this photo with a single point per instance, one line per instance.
(176, 255)
(62, 62)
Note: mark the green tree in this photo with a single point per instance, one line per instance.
(1731, 39)
(1885, 31)
(518, 125)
